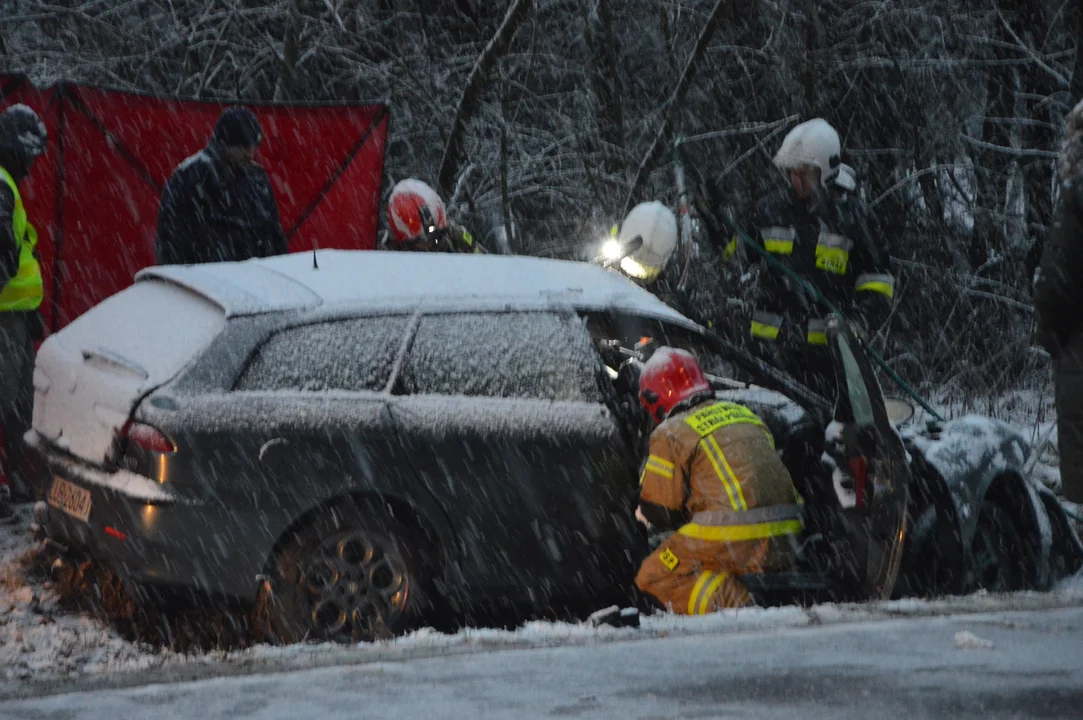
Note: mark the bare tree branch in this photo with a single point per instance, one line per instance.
(1004, 150)
(475, 83)
(645, 166)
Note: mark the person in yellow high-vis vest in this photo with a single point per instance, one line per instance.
(22, 140)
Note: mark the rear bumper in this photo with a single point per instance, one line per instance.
(151, 538)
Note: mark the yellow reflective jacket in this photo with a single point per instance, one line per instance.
(24, 291)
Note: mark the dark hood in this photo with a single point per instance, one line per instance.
(1071, 151)
(22, 140)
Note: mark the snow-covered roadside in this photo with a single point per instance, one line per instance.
(44, 648)
(37, 637)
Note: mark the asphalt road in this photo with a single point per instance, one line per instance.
(902, 668)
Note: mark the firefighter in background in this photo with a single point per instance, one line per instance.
(821, 229)
(644, 242)
(22, 141)
(712, 476)
(417, 220)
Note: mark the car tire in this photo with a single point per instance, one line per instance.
(997, 562)
(352, 574)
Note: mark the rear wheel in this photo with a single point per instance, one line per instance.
(351, 575)
(997, 560)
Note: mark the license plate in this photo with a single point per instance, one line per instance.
(70, 498)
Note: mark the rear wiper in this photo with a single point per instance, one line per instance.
(110, 360)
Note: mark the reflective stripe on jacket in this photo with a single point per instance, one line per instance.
(24, 291)
(833, 244)
(716, 464)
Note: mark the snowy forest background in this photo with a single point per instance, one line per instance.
(545, 118)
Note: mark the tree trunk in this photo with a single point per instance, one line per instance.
(649, 160)
(605, 80)
(287, 85)
(472, 92)
(992, 168)
(509, 245)
(1038, 173)
(813, 41)
(1077, 71)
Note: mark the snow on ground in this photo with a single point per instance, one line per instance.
(42, 645)
(36, 636)
(994, 665)
(39, 640)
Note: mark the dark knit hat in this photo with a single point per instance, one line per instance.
(238, 127)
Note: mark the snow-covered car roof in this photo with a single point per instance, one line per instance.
(368, 280)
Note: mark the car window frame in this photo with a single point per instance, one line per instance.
(855, 402)
(407, 337)
(393, 388)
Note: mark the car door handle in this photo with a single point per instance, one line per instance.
(272, 448)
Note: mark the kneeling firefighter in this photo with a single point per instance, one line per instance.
(417, 220)
(712, 476)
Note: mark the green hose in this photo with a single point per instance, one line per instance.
(819, 297)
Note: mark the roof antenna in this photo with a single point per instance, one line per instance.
(315, 247)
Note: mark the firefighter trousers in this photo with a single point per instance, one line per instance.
(689, 576)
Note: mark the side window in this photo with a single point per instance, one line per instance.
(347, 355)
(537, 355)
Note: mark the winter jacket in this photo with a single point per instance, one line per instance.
(1058, 289)
(16, 159)
(9, 246)
(713, 474)
(22, 140)
(1058, 301)
(835, 244)
(212, 212)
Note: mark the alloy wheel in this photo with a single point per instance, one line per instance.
(357, 586)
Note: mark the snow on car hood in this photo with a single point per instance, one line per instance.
(369, 279)
(970, 442)
(970, 451)
(788, 411)
(89, 375)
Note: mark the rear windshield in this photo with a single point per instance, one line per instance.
(152, 327)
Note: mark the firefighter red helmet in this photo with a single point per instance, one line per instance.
(670, 377)
(414, 211)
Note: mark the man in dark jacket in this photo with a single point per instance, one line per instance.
(219, 205)
(1058, 301)
(821, 230)
(22, 141)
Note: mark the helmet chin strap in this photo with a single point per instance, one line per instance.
(691, 401)
(430, 234)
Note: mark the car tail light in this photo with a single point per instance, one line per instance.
(859, 470)
(147, 437)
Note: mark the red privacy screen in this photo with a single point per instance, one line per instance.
(94, 196)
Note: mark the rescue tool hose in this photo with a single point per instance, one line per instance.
(820, 298)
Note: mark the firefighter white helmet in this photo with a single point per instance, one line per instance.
(657, 225)
(814, 143)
